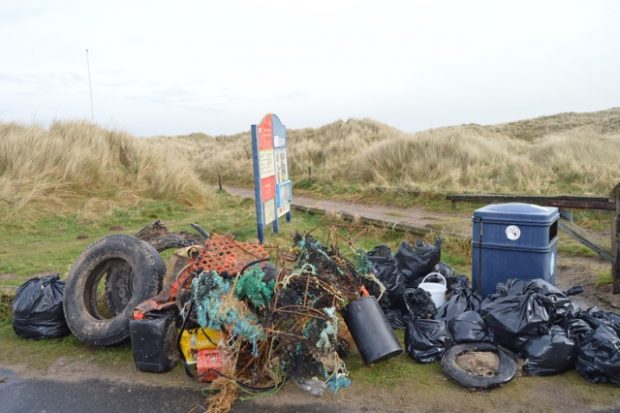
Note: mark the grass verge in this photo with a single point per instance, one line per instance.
(53, 243)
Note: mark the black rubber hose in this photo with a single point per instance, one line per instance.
(200, 230)
(181, 355)
(249, 264)
(247, 386)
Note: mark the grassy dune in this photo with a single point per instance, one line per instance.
(567, 153)
(74, 166)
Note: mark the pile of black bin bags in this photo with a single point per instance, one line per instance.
(531, 318)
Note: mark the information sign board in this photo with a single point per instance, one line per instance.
(272, 185)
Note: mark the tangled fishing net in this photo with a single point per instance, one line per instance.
(282, 324)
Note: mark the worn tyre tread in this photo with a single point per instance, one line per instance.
(147, 267)
(118, 287)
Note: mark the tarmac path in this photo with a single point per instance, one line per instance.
(30, 395)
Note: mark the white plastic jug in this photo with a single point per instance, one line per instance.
(437, 290)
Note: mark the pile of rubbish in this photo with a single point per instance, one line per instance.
(242, 324)
(271, 324)
(531, 319)
(232, 318)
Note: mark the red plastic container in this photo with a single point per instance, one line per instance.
(209, 363)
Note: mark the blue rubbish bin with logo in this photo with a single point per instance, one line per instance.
(513, 240)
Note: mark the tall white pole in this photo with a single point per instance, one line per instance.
(90, 88)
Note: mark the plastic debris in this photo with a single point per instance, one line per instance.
(598, 356)
(551, 353)
(339, 381)
(577, 329)
(386, 269)
(514, 316)
(37, 308)
(427, 340)
(574, 290)
(215, 308)
(252, 286)
(410, 263)
(469, 327)
(462, 299)
(596, 317)
(419, 304)
(396, 318)
(372, 334)
(313, 386)
(417, 260)
(329, 332)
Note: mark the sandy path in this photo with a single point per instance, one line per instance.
(417, 217)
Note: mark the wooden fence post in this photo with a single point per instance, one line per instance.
(219, 182)
(615, 240)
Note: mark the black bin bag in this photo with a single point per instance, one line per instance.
(385, 267)
(523, 309)
(469, 327)
(598, 356)
(557, 304)
(419, 304)
(595, 317)
(549, 354)
(513, 316)
(577, 329)
(383, 262)
(462, 300)
(417, 260)
(427, 340)
(37, 309)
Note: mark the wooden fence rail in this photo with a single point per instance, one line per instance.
(564, 201)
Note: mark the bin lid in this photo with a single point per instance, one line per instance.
(516, 211)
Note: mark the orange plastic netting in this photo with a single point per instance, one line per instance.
(222, 253)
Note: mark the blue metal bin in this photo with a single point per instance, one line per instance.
(513, 240)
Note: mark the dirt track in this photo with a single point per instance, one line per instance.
(417, 217)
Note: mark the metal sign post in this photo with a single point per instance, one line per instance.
(615, 240)
(272, 186)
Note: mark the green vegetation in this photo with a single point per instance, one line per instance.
(570, 247)
(603, 278)
(44, 352)
(51, 244)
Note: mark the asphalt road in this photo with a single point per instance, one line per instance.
(19, 395)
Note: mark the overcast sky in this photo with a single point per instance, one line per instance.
(172, 67)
